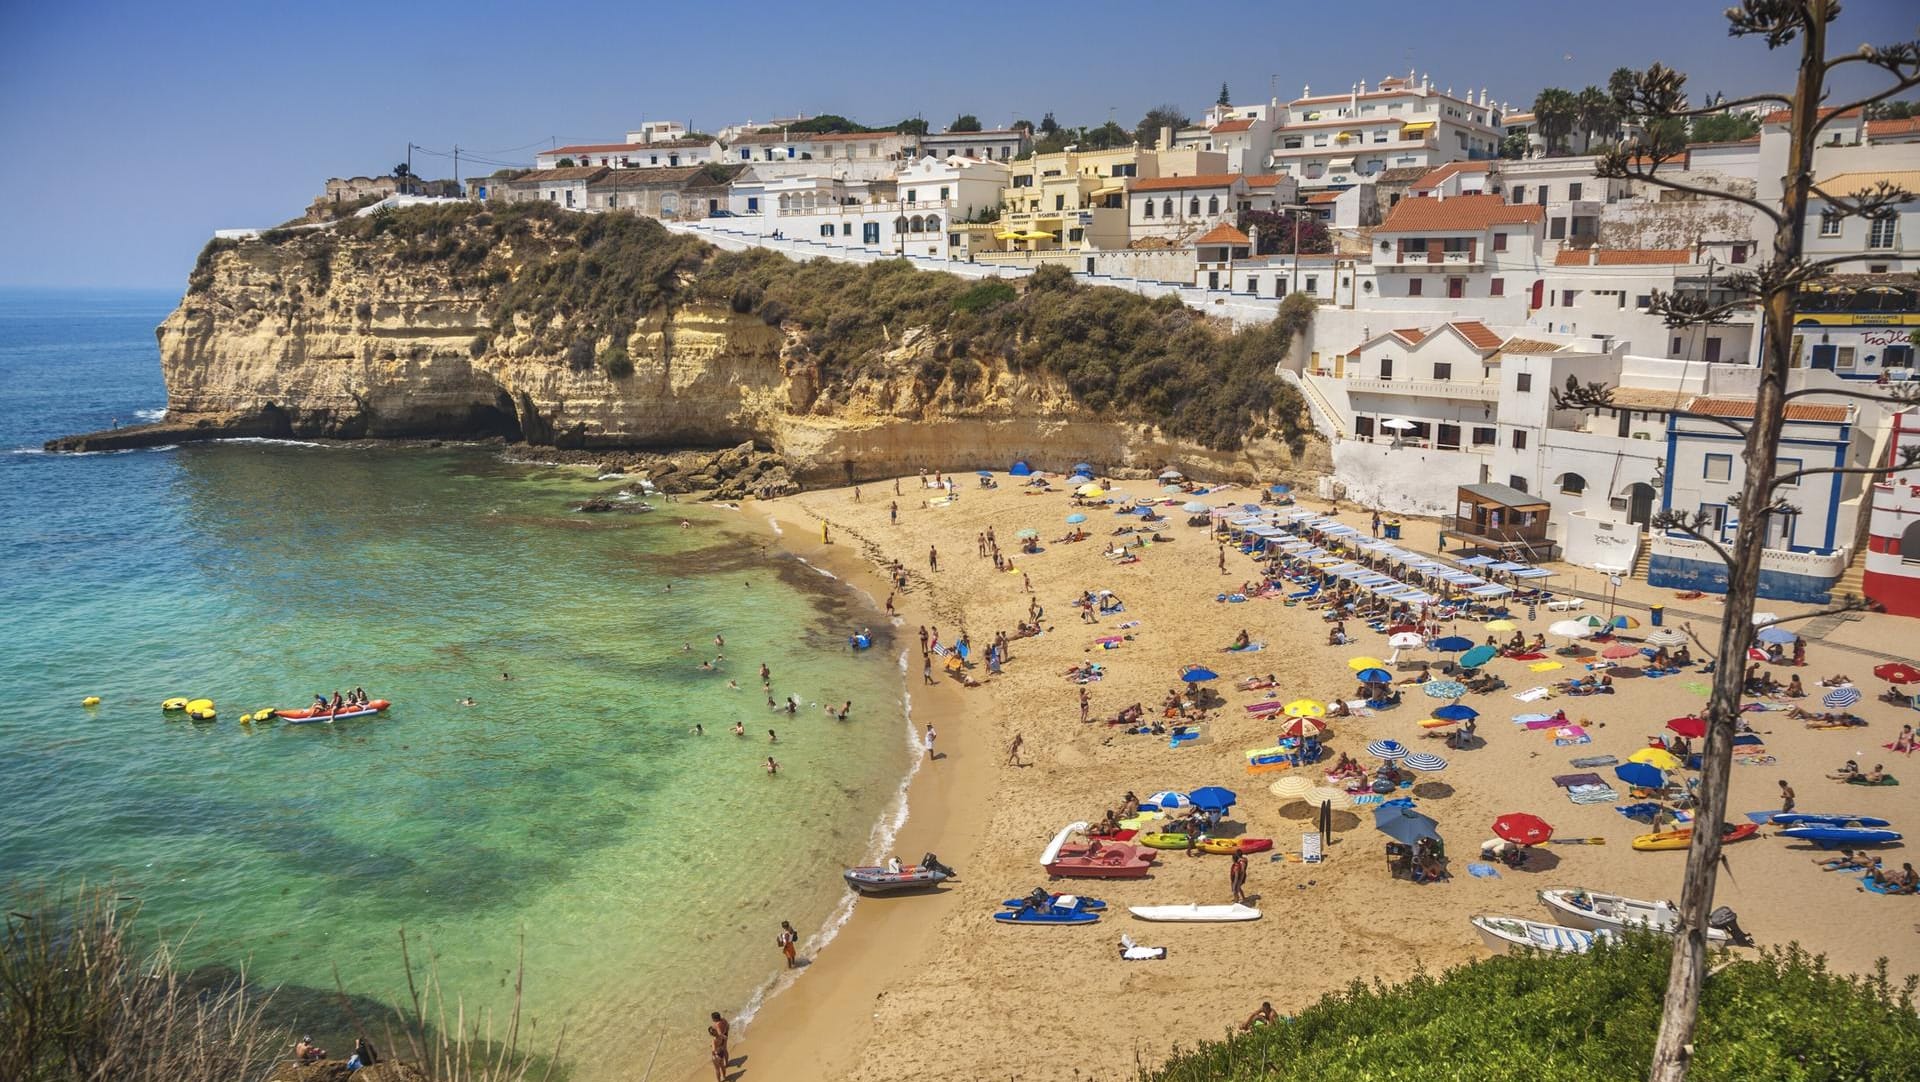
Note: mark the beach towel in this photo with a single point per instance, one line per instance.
(1871, 887)
(1587, 794)
(1529, 656)
(1267, 707)
(1593, 760)
(1483, 871)
(1755, 760)
(1537, 724)
(1885, 779)
(1566, 781)
(1310, 847)
(1247, 649)
(1369, 798)
(1892, 747)
(1698, 688)
(1569, 735)
(1533, 695)
(1544, 666)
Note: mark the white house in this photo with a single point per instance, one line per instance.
(663, 154)
(1858, 326)
(561, 187)
(1179, 208)
(970, 187)
(1336, 140)
(843, 155)
(999, 144)
(1467, 247)
(1244, 133)
(1887, 245)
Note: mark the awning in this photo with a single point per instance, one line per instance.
(1036, 234)
(1416, 126)
(1340, 165)
(1111, 189)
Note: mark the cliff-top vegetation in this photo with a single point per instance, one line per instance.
(576, 287)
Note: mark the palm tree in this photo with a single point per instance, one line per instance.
(404, 174)
(1597, 115)
(1554, 113)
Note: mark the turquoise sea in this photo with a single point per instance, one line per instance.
(646, 867)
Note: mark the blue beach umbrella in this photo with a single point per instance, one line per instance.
(1776, 634)
(1082, 467)
(1167, 800)
(1079, 479)
(1021, 469)
(1387, 749)
(1374, 676)
(1194, 507)
(1841, 697)
(1455, 712)
(1451, 644)
(1076, 519)
(1478, 656)
(1212, 798)
(983, 473)
(1641, 774)
(1279, 490)
(1403, 824)
(1198, 674)
(1444, 689)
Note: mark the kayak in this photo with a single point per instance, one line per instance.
(1087, 905)
(1828, 837)
(876, 880)
(1159, 840)
(1229, 846)
(1199, 914)
(1811, 819)
(1680, 839)
(1058, 909)
(312, 714)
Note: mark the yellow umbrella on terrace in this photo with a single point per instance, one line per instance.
(1654, 757)
(1304, 708)
(1011, 234)
(1039, 234)
(1366, 663)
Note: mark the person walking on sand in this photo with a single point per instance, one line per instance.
(980, 544)
(824, 538)
(893, 513)
(718, 1030)
(929, 742)
(1786, 796)
(923, 639)
(1376, 523)
(926, 669)
(1026, 582)
(788, 939)
(1237, 876)
(1086, 705)
(933, 558)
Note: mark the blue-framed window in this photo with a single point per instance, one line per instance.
(1784, 466)
(753, 203)
(1717, 468)
(1716, 515)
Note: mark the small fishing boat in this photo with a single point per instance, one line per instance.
(927, 874)
(1195, 914)
(313, 714)
(1831, 837)
(1812, 819)
(1042, 908)
(1595, 911)
(1680, 839)
(1510, 935)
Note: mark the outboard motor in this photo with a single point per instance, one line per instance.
(1726, 920)
(932, 863)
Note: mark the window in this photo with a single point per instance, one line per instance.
(913, 195)
(1519, 193)
(753, 203)
(1784, 466)
(1567, 296)
(1386, 368)
(1843, 358)
(1213, 204)
(1643, 301)
(1414, 287)
(1557, 229)
(1523, 382)
(1483, 436)
(1149, 208)
(1573, 190)
(1519, 443)
(1898, 357)
(1572, 484)
(827, 230)
(1166, 207)
(1313, 283)
(1320, 140)
(945, 193)
(1456, 288)
(1880, 234)
(1499, 242)
(1059, 202)
(1253, 284)
(1540, 196)
(1718, 468)
(1830, 223)
(1193, 206)
(1739, 253)
(1496, 287)
(1076, 234)
(1442, 370)
(1516, 482)
(1363, 426)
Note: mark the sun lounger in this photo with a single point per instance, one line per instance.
(1565, 604)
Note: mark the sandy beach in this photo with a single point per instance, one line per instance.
(929, 986)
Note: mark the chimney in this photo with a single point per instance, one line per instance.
(1253, 238)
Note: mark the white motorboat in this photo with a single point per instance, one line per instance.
(1508, 935)
(1597, 911)
(1195, 914)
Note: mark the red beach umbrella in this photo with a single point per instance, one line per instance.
(1620, 650)
(1897, 672)
(1690, 727)
(1399, 629)
(1302, 727)
(1522, 829)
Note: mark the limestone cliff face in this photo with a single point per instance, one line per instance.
(345, 338)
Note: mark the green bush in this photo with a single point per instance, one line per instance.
(987, 293)
(615, 362)
(1780, 1015)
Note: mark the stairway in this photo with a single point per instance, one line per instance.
(1325, 417)
(1852, 580)
(1641, 556)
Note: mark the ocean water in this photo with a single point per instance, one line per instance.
(644, 868)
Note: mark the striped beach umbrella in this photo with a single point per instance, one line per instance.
(1665, 636)
(1326, 795)
(1302, 728)
(1841, 697)
(1291, 787)
(1425, 761)
(1387, 749)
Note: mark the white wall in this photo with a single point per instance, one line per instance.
(1408, 481)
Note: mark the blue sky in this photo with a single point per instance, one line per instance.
(137, 129)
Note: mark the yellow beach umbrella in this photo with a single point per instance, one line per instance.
(1011, 234)
(1656, 758)
(1500, 625)
(1091, 490)
(1304, 708)
(1366, 663)
(1291, 787)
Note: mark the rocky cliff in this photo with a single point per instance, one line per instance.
(471, 324)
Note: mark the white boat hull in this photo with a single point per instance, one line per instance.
(1509, 935)
(1195, 914)
(1613, 913)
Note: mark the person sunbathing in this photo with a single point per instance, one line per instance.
(1337, 708)
(1847, 772)
(1877, 775)
(1904, 743)
(1904, 881)
(1837, 681)
(1794, 690)
(1266, 1015)
(1846, 859)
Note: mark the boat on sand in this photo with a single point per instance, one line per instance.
(1510, 935)
(1194, 913)
(1598, 911)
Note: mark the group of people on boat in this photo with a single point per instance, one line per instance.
(352, 700)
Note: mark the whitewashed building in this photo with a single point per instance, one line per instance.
(1337, 140)
(998, 144)
(1180, 208)
(663, 154)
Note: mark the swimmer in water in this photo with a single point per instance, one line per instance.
(734, 684)
(739, 728)
(772, 767)
(468, 701)
(772, 738)
(698, 729)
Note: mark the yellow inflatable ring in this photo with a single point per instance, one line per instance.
(172, 705)
(199, 704)
(201, 715)
(91, 700)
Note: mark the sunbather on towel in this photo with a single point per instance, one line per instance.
(1846, 859)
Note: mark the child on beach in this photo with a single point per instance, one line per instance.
(787, 939)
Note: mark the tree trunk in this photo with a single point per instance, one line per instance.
(1673, 1048)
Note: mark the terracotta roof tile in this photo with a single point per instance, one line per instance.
(1233, 125)
(1170, 184)
(1476, 333)
(1400, 174)
(1322, 197)
(1742, 408)
(1411, 335)
(1648, 398)
(1529, 345)
(1880, 129)
(1622, 257)
(1263, 180)
(572, 172)
(1458, 212)
(1780, 116)
(1223, 234)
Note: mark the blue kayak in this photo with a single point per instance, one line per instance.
(1829, 837)
(1087, 905)
(1058, 909)
(1814, 819)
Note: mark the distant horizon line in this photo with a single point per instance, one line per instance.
(42, 287)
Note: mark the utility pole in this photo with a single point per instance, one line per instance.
(409, 181)
(456, 164)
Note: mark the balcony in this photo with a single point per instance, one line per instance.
(1470, 390)
(1419, 261)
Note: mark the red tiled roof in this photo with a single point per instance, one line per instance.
(1742, 408)
(1434, 178)
(1263, 180)
(1170, 184)
(1322, 197)
(1622, 257)
(1223, 234)
(1779, 116)
(1477, 334)
(1880, 129)
(1233, 125)
(570, 173)
(1458, 212)
(1410, 335)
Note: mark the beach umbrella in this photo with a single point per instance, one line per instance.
(1666, 636)
(1304, 708)
(1658, 758)
(1764, 618)
(1570, 629)
(1358, 663)
(1374, 676)
(1083, 467)
(1424, 761)
(1172, 490)
(1293, 785)
(1403, 824)
(1620, 650)
(1406, 640)
(1027, 534)
(1326, 795)
(1091, 490)
(1456, 712)
(1776, 634)
(1396, 423)
(1021, 469)
(1500, 625)
(1212, 798)
(1641, 774)
(1841, 697)
(1478, 656)
(1444, 689)
(1387, 749)
(1167, 800)
(1690, 727)
(1897, 672)
(1592, 621)
(1451, 644)
(1079, 479)
(1623, 622)
(1194, 507)
(1171, 474)
(1076, 519)
(1522, 829)
(1198, 674)
(1279, 490)
(1302, 727)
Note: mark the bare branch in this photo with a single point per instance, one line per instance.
(1909, 457)
(1690, 524)
(1898, 394)
(1625, 171)
(1878, 201)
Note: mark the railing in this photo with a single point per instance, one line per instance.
(1428, 388)
(1325, 417)
(1458, 258)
